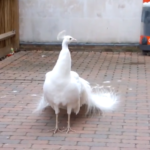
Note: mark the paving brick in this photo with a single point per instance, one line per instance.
(51, 138)
(7, 130)
(9, 141)
(107, 140)
(121, 145)
(46, 146)
(6, 148)
(75, 148)
(41, 134)
(143, 146)
(92, 144)
(136, 141)
(23, 137)
(4, 137)
(34, 142)
(105, 148)
(21, 146)
(121, 137)
(145, 138)
(95, 135)
(63, 142)
(66, 135)
(79, 139)
(13, 133)
(134, 149)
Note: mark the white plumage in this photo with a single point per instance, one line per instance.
(64, 88)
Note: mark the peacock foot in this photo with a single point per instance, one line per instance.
(67, 130)
(56, 130)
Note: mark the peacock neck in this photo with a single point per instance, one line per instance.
(64, 45)
(63, 64)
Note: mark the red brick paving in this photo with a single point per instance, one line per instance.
(127, 128)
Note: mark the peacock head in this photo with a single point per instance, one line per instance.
(66, 38)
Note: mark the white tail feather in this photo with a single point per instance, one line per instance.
(98, 98)
(41, 105)
(104, 98)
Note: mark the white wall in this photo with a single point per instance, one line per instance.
(94, 21)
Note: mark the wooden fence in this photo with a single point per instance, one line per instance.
(9, 26)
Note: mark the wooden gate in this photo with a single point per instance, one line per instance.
(9, 26)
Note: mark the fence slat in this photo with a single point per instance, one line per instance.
(7, 35)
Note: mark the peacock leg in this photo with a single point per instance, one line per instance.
(56, 126)
(68, 127)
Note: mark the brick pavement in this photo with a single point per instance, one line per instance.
(127, 128)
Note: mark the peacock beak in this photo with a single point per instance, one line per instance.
(74, 40)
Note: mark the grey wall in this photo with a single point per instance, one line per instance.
(94, 21)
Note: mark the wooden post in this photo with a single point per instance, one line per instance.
(9, 22)
(16, 23)
(2, 23)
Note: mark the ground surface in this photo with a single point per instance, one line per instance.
(127, 128)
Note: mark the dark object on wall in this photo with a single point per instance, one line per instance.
(144, 41)
(145, 35)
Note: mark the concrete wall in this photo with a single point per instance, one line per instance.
(94, 21)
